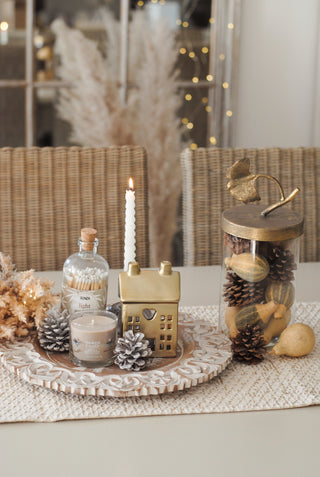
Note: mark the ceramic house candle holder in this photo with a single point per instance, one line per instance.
(150, 305)
(261, 255)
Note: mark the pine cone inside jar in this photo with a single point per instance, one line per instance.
(239, 292)
(281, 264)
(248, 345)
(237, 245)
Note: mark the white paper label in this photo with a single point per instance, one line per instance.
(80, 300)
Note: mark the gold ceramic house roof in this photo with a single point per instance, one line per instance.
(149, 286)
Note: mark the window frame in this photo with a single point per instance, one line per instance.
(220, 126)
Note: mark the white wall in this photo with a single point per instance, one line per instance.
(279, 74)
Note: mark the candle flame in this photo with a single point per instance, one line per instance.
(4, 26)
(131, 185)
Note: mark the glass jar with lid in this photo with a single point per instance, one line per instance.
(261, 256)
(85, 276)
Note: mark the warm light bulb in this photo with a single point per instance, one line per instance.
(229, 113)
(212, 20)
(192, 54)
(178, 22)
(209, 77)
(188, 97)
(225, 85)
(222, 56)
(205, 49)
(195, 79)
(208, 109)
(190, 125)
(204, 100)
(230, 26)
(4, 26)
(185, 24)
(213, 140)
(184, 120)
(182, 51)
(140, 3)
(193, 146)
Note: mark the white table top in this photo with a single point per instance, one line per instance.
(260, 443)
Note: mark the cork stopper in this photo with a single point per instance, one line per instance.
(88, 236)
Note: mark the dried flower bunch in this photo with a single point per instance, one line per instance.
(24, 300)
(98, 116)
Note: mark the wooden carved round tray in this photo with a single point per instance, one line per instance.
(202, 354)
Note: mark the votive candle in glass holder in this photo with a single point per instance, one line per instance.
(93, 336)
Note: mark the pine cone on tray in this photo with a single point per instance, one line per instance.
(281, 264)
(237, 245)
(239, 292)
(54, 331)
(248, 345)
(132, 351)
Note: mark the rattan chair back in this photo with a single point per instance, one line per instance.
(205, 195)
(47, 195)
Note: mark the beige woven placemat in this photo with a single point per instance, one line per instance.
(275, 383)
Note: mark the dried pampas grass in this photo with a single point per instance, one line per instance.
(24, 300)
(98, 119)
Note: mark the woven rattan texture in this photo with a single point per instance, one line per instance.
(205, 195)
(47, 195)
(275, 383)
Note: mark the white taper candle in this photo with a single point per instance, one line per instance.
(130, 227)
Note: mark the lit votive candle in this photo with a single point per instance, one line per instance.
(93, 338)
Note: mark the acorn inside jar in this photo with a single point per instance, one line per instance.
(261, 255)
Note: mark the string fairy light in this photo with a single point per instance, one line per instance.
(203, 101)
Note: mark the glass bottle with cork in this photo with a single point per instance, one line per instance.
(85, 276)
(261, 254)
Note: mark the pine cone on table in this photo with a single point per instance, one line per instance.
(54, 331)
(281, 264)
(237, 245)
(239, 292)
(248, 345)
(132, 351)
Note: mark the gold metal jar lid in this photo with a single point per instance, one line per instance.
(246, 221)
